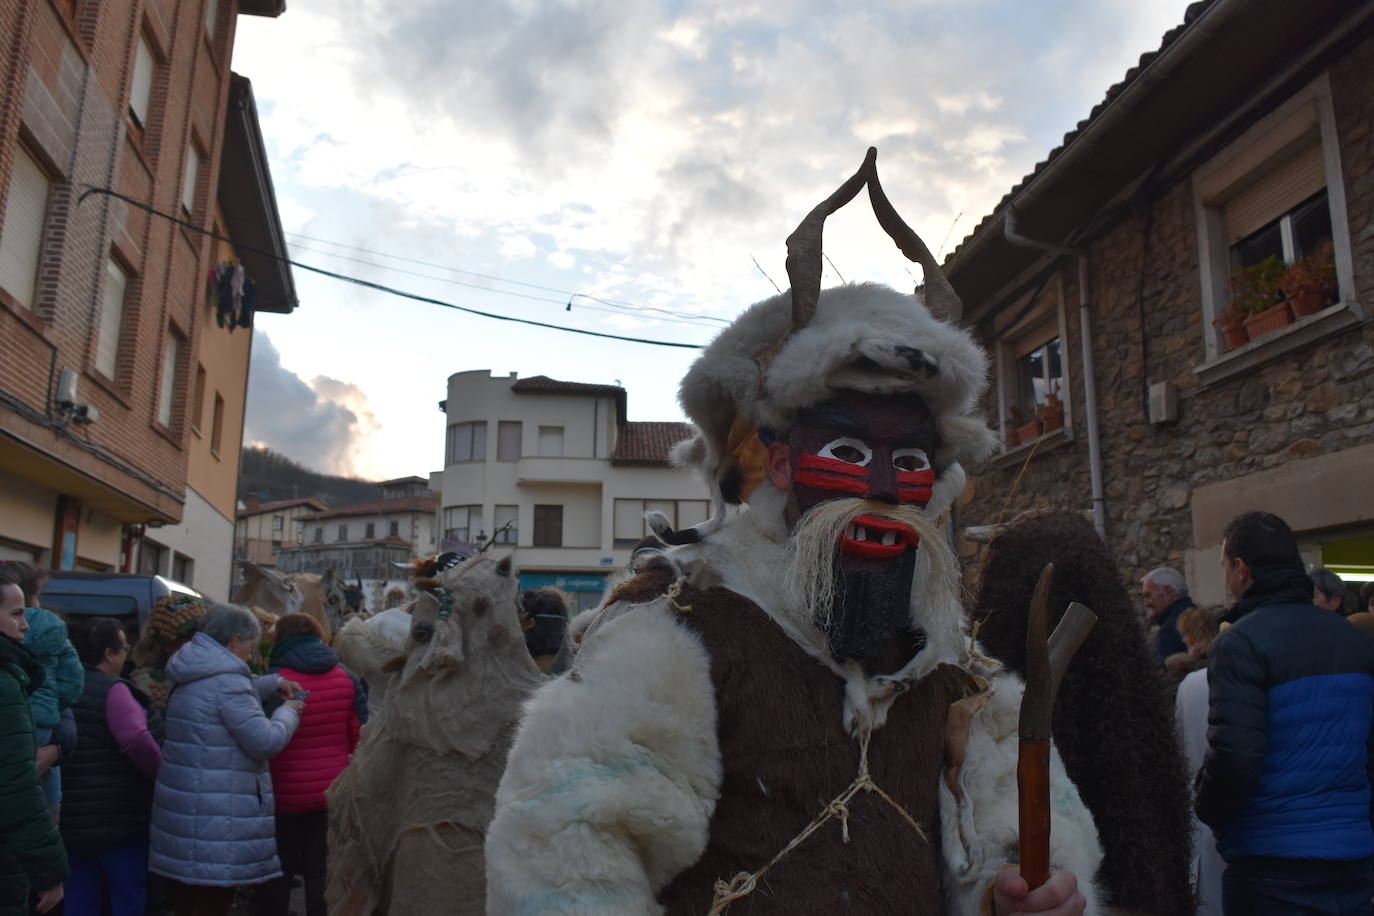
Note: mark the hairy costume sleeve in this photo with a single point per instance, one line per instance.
(1237, 720)
(978, 810)
(613, 776)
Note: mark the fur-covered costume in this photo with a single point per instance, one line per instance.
(406, 818)
(1113, 723)
(710, 748)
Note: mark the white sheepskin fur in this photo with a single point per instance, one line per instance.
(614, 774)
(979, 833)
(365, 645)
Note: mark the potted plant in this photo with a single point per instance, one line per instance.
(1255, 292)
(1028, 431)
(1310, 282)
(1051, 412)
(1013, 427)
(1232, 324)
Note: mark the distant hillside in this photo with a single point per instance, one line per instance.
(271, 476)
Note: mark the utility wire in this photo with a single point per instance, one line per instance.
(833, 267)
(764, 272)
(473, 273)
(90, 189)
(505, 292)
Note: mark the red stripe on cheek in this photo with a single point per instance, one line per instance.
(914, 495)
(833, 465)
(924, 478)
(821, 481)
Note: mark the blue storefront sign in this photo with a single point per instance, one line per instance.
(567, 582)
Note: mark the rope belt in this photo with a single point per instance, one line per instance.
(743, 883)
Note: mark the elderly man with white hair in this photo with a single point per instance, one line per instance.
(1166, 597)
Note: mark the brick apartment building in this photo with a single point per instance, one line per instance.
(121, 396)
(1104, 275)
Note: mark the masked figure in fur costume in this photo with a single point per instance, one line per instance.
(783, 713)
(406, 818)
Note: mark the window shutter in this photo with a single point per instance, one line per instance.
(550, 442)
(629, 519)
(508, 440)
(1281, 190)
(111, 320)
(691, 512)
(167, 384)
(188, 182)
(21, 235)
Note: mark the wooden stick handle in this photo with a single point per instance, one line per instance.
(1033, 784)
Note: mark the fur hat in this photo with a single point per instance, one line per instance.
(784, 355)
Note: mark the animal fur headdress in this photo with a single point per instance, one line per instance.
(797, 349)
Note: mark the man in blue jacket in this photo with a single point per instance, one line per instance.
(1286, 781)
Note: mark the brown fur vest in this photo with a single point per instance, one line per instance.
(785, 755)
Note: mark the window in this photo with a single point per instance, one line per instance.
(630, 526)
(278, 523)
(548, 522)
(198, 400)
(504, 526)
(1039, 372)
(343, 532)
(1275, 193)
(217, 424)
(550, 442)
(183, 568)
(211, 17)
(370, 531)
(21, 236)
(141, 92)
(152, 558)
(467, 442)
(188, 180)
(166, 394)
(463, 523)
(111, 320)
(508, 440)
(319, 535)
(393, 529)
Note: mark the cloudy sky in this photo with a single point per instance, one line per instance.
(616, 166)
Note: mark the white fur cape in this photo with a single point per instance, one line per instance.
(614, 774)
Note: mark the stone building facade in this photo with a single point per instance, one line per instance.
(1239, 132)
(121, 398)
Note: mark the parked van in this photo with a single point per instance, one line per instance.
(124, 596)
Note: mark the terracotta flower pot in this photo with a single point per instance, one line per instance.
(1236, 335)
(1049, 422)
(1029, 431)
(1269, 320)
(1013, 436)
(1308, 302)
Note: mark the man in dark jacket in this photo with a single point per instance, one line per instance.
(31, 852)
(1166, 598)
(1285, 784)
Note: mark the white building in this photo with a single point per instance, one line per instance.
(556, 473)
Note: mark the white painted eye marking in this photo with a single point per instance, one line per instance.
(910, 459)
(847, 449)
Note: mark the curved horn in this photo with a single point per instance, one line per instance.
(940, 297)
(804, 244)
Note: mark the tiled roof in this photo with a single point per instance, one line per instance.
(648, 443)
(542, 384)
(1194, 10)
(381, 507)
(281, 504)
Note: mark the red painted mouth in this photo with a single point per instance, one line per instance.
(875, 538)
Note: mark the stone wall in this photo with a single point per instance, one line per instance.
(1148, 328)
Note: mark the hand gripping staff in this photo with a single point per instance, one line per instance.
(1046, 662)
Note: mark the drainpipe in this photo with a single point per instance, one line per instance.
(1089, 369)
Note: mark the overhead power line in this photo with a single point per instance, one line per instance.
(90, 189)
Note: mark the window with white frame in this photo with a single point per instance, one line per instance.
(504, 524)
(463, 523)
(467, 442)
(111, 319)
(278, 524)
(343, 532)
(1032, 363)
(1274, 194)
(167, 383)
(21, 236)
(319, 535)
(141, 92)
(211, 17)
(393, 529)
(370, 531)
(550, 442)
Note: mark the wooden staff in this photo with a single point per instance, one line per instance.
(1046, 662)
